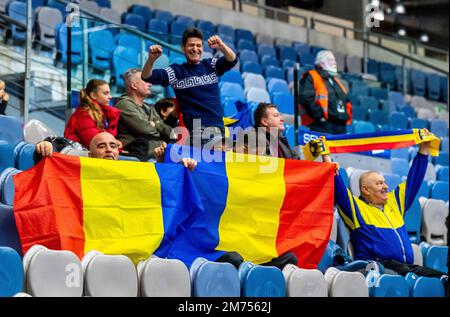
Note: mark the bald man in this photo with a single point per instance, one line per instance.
(376, 218)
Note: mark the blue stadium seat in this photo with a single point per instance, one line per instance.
(344, 176)
(444, 88)
(287, 63)
(232, 90)
(276, 85)
(413, 221)
(418, 82)
(444, 144)
(286, 52)
(229, 106)
(289, 133)
(25, 157)
(369, 102)
(400, 166)
(396, 97)
(435, 256)
(135, 20)
(424, 190)
(392, 180)
(11, 130)
(388, 106)
(360, 113)
(434, 86)
(185, 19)
(285, 102)
(143, 11)
(442, 159)
(227, 30)
(248, 56)
(101, 55)
(307, 59)
(264, 49)
(316, 49)
(442, 173)
(418, 124)
(243, 34)
(399, 81)
(398, 121)
(387, 74)
(57, 5)
(177, 29)
(158, 28)
(124, 58)
(390, 286)
(6, 155)
(129, 41)
(211, 279)
(439, 190)
(17, 11)
(373, 67)
(11, 272)
(164, 15)
(274, 72)
(251, 67)
(380, 93)
(408, 111)
(245, 45)
(77, 44)
(104, 3)
(269, 60)
(7, 186)
(261, 281)
(439, 127)
(207, 27)
(301, 47)
(402, 153)
(9, 236)
(364, 127)
(424, 286)
(233, 76)
(379, 118)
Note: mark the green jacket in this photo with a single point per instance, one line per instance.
(140, 122)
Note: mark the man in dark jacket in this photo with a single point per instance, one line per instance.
(140, 128)
(323, 99)
(269, 118)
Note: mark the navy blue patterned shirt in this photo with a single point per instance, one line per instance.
(196, 88)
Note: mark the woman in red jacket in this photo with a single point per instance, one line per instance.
(94, 115)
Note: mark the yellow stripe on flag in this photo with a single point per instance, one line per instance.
(373, 140)
(249, 224)
(122, 207)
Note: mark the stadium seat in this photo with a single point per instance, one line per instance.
(185, 19)
(379, 118)
(163, 278)
(316, 49)
(261, 281)
(418, 258)
(369, 102)
(251, 67)
(434, 213)
(258, 95)
(424, 286)
(124, 58)
(285, 52)
(159, 29)
(233, 76)
(346, 284)
(408, 111)
(7, 186)
(254, 80)
(364, 127)
(274, 72)
(101, 55)
(439, 127)
(24, 159)
(387, 74)
(6, 155)
(109, 275)
(50, 273)
(390, 286)
(227, 30)
(269, 60)
(281, 41)
(277, 85)
(373, 67)
(396, 98)
(11, 272)
(400, 166)
(104, 3)
(46, 20)
(135, 20)
(110, 14)
(418, 124)
(413, 221)
(434, 86)
(360, 113)
(430, 174)
(16, 10)
(11, 130)
(307, 59)
(380, 93)
(163, 15)
(442, 173)
(177, 29)
(439, 190)
(398, 121)
(264, 39)
(212, 279)
(284, 102)
(434, 256)
(304, 283)
(444, 88)
(264, 49)
(232, 90)
(89, 6)
(444, 144)
(424, 190)
(57, 5)
(248, 56)
(425, 113)
(61, 44)
(418, 82)
(9, 236)
(402, 153)
(245, 45)
(244, 34)
(143, 11)
(392, 180)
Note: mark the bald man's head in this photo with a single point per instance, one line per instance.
(105, 146)
(373, 188)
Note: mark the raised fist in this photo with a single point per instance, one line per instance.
(215, 42)
(154, 52)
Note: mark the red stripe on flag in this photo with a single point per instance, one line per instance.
(370, 147)
(48, 205)
(306, 216)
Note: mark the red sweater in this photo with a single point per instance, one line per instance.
(81, 127)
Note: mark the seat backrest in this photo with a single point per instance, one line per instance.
(425, 113)
(264, 39)
(346, 284)
(254, 80)
(400, 166)
(212, 279)
(364, 127)
(89, 6)
(11, 272)
(109, 275)
(285, 102)
(274, 72)
(413, 221)
(418, 258)
(304, 283)
(232, 90)
(434, 213)
(7, 186)
(258, 95)
(443, 173)
(436, 258)
(354, 175)
(427, 287)
(440, 190)
(163, 278)
(390, 286)
(142, 10)
(430, 174)
(251, 67)
(261, 281)
(51, 273)
(110, 14)
(439, 127)
(47, 19)
(11, 130)
(398, 121)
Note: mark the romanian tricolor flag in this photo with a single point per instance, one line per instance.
(349, 143)
(260, 207)
(116, 207)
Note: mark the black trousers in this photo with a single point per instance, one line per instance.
(280, 262)
(403, 269)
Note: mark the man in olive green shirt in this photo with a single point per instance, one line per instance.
(140, 128)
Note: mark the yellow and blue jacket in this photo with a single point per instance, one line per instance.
(381, 234)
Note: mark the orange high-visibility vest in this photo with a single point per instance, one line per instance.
(321, 99)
